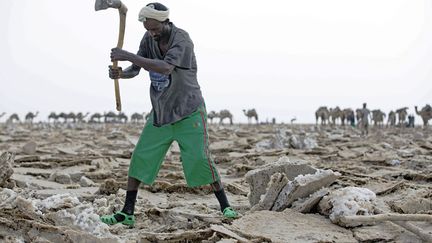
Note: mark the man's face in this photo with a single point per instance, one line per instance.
(156, 29)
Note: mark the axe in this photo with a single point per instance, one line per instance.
(104, 4)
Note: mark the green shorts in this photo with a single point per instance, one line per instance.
(192, 137)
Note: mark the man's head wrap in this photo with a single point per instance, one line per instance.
(154, 11)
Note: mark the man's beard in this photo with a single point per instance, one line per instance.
(164, 34)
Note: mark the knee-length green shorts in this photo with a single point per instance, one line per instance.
(192, 137)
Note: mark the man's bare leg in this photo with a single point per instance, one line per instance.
(133, 184)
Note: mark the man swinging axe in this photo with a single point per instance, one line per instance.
(178, 113)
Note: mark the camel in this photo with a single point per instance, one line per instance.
(334, 114)
(348, 115)
(110, 117)
(30, 116)
(53, 116)
(322, 113)
(425, 113)
(391, 118)
(64, 116)
(121, 117)
(378, 117)
(80, 117)
(96, 117)
(402, 114)
(71, 116)
(251, 114)
(225, 114)
(211, 115)
(137, 117)
(12, 118)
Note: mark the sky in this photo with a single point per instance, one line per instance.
(285, 58)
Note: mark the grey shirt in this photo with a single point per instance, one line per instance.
(177, 95)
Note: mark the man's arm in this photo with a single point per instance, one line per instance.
(130, 71)
(154, 65)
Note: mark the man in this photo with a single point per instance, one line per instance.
(411, 121)
(178, 113)
(364, 120)
(351, 119)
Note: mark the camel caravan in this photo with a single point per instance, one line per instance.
(323, 116)
(226, 115)
(71, 117)
(397, 118)
(120, 117)
(107, 117)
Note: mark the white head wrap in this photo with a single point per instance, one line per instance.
(151, 13)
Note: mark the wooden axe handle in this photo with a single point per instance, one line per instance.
(122, 12)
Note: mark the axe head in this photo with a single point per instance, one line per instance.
(104, 4)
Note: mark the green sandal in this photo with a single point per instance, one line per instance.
(111, 220)
(230, 213)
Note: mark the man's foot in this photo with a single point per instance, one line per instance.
(230, 213)
(118, 217)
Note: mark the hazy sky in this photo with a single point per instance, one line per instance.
(284, 58)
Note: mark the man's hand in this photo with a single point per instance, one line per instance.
(118, 54)
(115, 73)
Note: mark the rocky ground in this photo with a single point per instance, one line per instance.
(291, 183)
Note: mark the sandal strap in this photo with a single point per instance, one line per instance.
(227, 208)
(124, 214)
(128, 219)
(111, 219)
